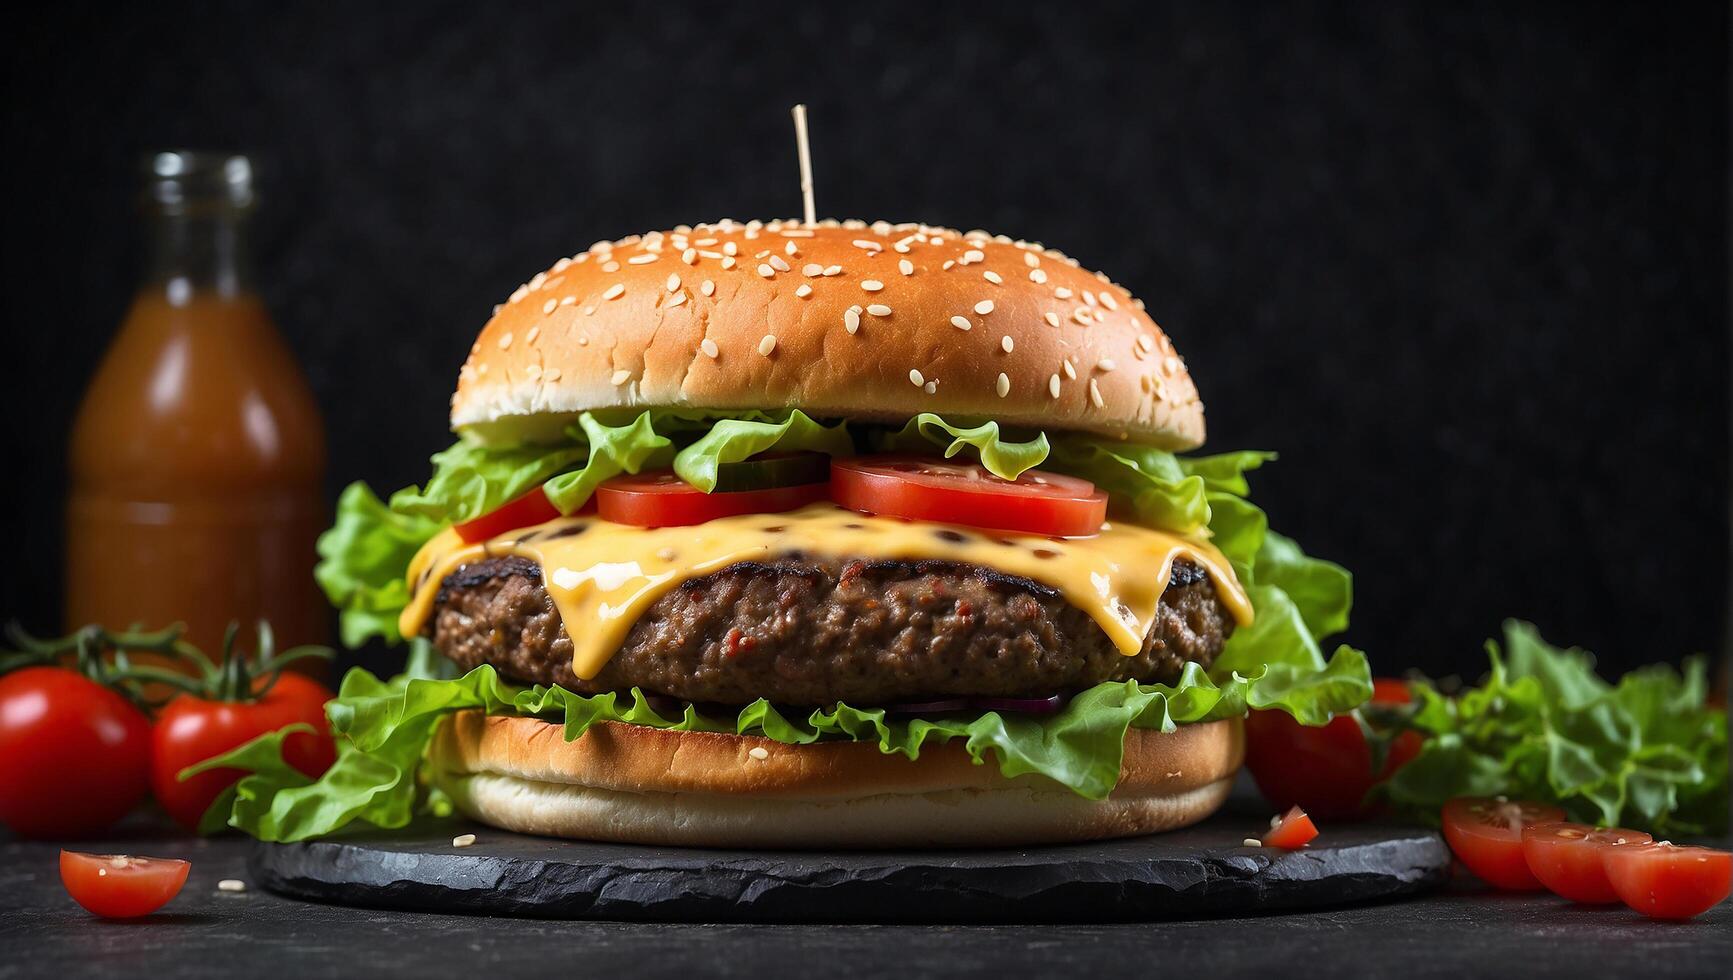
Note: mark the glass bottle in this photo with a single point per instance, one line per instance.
(198, 454)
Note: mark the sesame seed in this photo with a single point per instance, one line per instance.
(534, 371)
(1108, 301)
(706, 253)
(778, 264)
(948, 264)
(1052, 318)
(505, 340)
(1037, 276)
(530, 338)
(992, 277)
(1006, 343)
(1003, 387)
(463, 840)
(812, 269)
(679, 299)
(610, 266)
(642, 259)
(689, 256)
(851, 319)
(1062, 292)
(730, 248)
(673, 283)
(709, 348)
(1053, 386)
(1081, 315)
(833, 270)
(231, 885)
(1095, 393)
(548, 307)
(728, 262)
(931, 387)
(766, 271)
(1089, 298)
(551, 374)
(803, 291)
(906, 267)
(915, 378)
(1070, 372)
(974, 255)
(767, 345)
(871, 285)
(568, 300)
(790, 249)
(1030, 260)
(707, 287)
(614, 291)
(870, 246)
(961, 322)
(620, 377)
(1144, 343)
(759, 752)
(984, 307)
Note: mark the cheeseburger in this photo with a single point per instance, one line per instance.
(819, 535)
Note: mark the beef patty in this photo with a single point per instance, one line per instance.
(803, 631)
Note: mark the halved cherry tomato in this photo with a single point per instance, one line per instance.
(925, 489)
(1328, 769)
(1566, 857)
(530, 509)
(1667, 881)
(1291, 831)
(662, 499)
(120, 886)
(1486, 834)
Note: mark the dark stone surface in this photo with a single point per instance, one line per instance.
(1458, 932)
(1199, 871)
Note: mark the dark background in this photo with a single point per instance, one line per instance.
(1464, 268)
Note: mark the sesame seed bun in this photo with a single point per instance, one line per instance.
(634, 784)
(839, 319)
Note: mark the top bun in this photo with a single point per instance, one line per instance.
(839, 319)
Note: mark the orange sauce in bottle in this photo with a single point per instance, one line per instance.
(198, 453)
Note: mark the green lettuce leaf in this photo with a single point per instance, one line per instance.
(383, 729)
(731, 440)
(611, 450)
(363, 559)
(471, 479)
(1001, 457)
(1646, 752)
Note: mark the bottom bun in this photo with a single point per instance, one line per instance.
(633, 784)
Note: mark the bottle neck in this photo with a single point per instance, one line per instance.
(201, 250)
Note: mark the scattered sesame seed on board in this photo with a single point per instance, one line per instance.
(984, 307)
(915, 378)
(768, 344)
(621, 377)
(228, 885)
(463, 840)
(871, 285)
(803, 290)
(961, 322)
(1003, 386)
(709, 348)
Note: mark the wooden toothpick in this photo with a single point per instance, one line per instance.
(805, 164)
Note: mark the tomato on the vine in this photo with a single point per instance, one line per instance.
(192, 729)
(1325, 769)
(926, 489)
(120, 886)
(1486, 835)
(74, 755)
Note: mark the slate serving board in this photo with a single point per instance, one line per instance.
(1195, 872)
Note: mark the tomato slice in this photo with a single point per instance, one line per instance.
(1668, 881)
(120, 886)
(1291, 831)
(1566, 858)
(1486, 834)
(530, 509)
(662, 499)
(925, 489)
(1325, 769)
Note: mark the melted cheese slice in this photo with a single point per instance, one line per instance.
(603, 576)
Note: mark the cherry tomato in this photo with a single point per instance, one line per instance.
(190, 730)
(923, 489)
(1486, 835)
(662, 499)
(74, 755)
(1327, 769)
(1667, 881)
(530, 509)
(120, 886)
(1566, 858)
(1291, 831)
